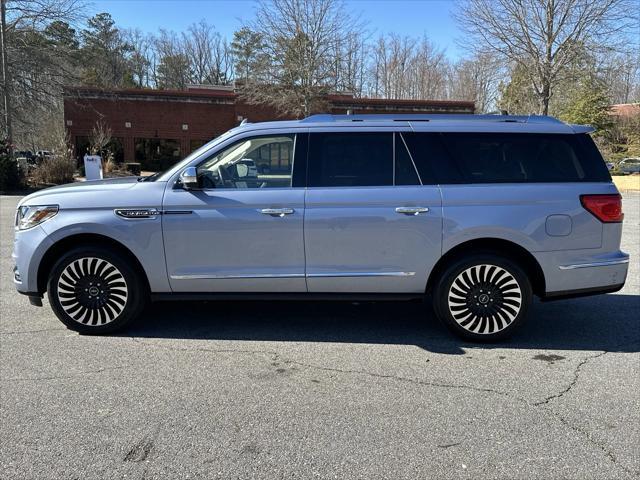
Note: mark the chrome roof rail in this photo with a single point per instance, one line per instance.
(421, 117)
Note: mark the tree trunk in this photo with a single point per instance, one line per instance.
(6, 81)
(545, 96)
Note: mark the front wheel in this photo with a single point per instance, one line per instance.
(93, 290)
(483, 297)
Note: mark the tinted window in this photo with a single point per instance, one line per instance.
(501, 158)
(405, 173)
(350, 159)
(431, 159)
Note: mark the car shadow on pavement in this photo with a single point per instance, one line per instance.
(606, 322)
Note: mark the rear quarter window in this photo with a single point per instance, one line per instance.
(525, 158)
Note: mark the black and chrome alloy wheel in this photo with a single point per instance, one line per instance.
(95, 290)
(92, 291)
(484, 299)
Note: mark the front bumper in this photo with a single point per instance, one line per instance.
(29, 246)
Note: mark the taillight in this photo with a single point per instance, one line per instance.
(606, 208)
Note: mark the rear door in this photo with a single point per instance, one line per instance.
(372, 225)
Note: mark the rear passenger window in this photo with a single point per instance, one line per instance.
(431, 159)
(350, 159)
(405, 173)
(514, 158)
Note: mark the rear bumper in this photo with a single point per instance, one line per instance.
(581, 272)
(584, 292)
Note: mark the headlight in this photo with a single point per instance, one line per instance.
(28, 217)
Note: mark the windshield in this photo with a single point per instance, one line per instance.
(166, 174)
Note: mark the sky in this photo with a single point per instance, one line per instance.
(405, 17)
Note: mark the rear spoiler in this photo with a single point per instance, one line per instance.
(582, 128)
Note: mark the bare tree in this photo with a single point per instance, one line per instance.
(477, 78)
(99, 138)
(544, 36)
(141, 58)
(208, 53)
(349, 65)
(621, 73)
(38, 58)
(172, 68)
(299, 38)
(407, 68)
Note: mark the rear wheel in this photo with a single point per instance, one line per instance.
(483, 297)
(94, 290)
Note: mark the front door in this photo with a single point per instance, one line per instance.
(242, 230)
(372, 225)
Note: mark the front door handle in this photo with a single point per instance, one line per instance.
(277, 212)
(412, 210)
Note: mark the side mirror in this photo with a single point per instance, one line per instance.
(189, 178)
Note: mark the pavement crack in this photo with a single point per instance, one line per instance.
(275, 356)
(278, 357)
(581, 431)
(19, 332)
(576, 377)
(271, 353)
(449, 445)
(398, 378)
(63, 377)
(600, 445)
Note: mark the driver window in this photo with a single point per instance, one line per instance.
(257, 162)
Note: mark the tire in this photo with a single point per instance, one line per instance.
(93, 290)
(483, 297)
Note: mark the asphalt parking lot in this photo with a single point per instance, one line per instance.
(332, 390)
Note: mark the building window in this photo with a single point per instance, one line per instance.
(273, 158)
(115, 146)
(156, 154)
(196, 144)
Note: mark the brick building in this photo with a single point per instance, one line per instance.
(159, 127)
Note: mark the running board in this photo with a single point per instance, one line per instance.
(302, 296)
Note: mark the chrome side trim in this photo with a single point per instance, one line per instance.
(360, 274)
(606, 263)
(208, 276)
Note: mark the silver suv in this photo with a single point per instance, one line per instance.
(478, 213)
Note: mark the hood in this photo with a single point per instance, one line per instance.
(90, 186)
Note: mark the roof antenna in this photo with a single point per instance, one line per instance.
(244, 121)
(349, 112)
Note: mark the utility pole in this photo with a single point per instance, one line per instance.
(6, 101)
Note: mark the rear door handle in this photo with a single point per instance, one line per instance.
(412, 210)
(277, 212)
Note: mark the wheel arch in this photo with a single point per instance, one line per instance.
(496, 246)
(65, 244)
